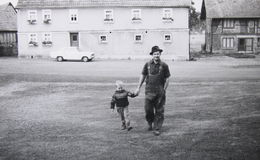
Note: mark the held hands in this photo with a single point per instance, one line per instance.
(164, 91)
(137, 91)
(112, 110)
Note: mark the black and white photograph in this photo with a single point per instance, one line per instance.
(129, 79)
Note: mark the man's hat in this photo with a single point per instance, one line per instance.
(155, 49)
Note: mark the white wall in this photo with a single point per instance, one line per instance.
(121, 33)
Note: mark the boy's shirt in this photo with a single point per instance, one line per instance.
(120, 98)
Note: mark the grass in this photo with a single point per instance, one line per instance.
(211, 114)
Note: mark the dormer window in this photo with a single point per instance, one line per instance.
(73, 15)
(167, 14)
(46, 16)
(136, 15)
(32, 16)
(108, 16)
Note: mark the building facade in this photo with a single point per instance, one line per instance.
(112, 29)
(232, 26)
(8, 30)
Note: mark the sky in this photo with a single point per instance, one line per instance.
(14, 2)
(197, 3)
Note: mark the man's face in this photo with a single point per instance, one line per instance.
(156, 55)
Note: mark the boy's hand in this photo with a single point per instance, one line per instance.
(112, 110)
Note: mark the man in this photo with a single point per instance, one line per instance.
(157, 74)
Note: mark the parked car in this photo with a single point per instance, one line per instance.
(72, 53)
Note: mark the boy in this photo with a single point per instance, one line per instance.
(120, 100)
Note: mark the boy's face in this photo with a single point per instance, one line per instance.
(119, 87)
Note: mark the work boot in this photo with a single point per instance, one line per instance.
(150, 126)
(156, 132)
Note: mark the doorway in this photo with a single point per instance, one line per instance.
(245, 44)
(74, 39)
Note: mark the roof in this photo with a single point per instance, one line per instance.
(101, 3)
(8, 20)
(232, 8)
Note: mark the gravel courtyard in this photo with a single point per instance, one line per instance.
(61, 111)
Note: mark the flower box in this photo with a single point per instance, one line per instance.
(47, 21)
(108, 20)
(32, 21)
(47, 43)
(167, 19)
(33, 44)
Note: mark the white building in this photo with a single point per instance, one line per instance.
(110, 28)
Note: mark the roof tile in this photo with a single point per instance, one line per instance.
(7, 18)
(100, 3)
(232, 8)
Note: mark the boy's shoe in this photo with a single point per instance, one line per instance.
(123, 127)
(156, 132)
(129, 128)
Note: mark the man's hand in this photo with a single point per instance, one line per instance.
(141, 80)
(137, 91)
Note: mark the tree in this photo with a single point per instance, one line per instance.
(195, 22)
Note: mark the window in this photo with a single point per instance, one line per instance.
(251, 26)
(102, 39)
(32, 16)
(258, 42)
(167, 14)
(33, 39)
(259, 23)
(167, 38)
(138, 38)
(108, 17)
(136, 14)
(73, 15)
(228, 23)
(47, 41)
(228, 42)
(7, 38)
(46, 16)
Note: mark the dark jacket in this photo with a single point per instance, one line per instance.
(120, 98)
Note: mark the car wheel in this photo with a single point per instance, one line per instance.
(85, 59)
(59, 58)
